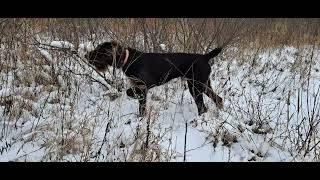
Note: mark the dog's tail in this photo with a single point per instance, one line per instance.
(213, 53)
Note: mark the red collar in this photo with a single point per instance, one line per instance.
(126, 57)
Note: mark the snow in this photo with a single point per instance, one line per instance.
(77, 120)
(46, 54)
(85, 47)
(163, 47)
(62, 44)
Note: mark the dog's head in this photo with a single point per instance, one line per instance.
(104, 55)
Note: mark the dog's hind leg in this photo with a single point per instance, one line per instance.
(212, 95)
(196, 91)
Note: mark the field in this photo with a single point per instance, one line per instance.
(54, 107)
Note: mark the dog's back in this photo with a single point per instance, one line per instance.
(158, 68)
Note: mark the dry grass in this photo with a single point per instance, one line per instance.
(186, 35)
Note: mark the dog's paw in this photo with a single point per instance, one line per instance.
(194, 123)
(219, 103)
(204, 109)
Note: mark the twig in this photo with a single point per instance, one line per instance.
(185, 143)
(307, 151)
(148, 133)
(104, 139)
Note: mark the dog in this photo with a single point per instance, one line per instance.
(147, 70)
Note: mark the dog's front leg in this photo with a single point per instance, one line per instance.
(143, 101)
(142, 107)
(136, 93)
(141, 95)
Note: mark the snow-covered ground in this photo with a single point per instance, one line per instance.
(51, 110)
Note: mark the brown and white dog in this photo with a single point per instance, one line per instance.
(148, 70)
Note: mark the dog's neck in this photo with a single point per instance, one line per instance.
(132, 55)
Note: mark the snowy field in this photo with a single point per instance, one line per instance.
(51, 109)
